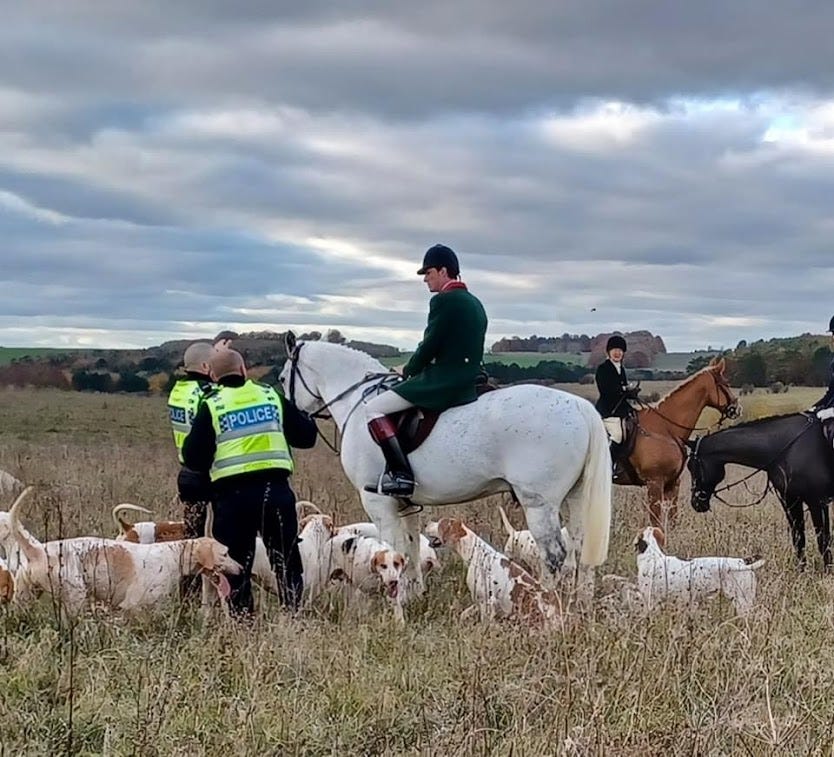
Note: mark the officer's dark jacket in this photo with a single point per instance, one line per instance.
(612, 390)
(201, 443)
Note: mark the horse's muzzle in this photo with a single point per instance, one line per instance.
(700, 501)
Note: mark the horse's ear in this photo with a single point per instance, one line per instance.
(713, 362)
(721, 365)
(290, 342)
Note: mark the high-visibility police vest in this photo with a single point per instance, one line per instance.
(248, 425)
(183, 403)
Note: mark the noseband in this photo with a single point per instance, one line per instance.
(730, 410)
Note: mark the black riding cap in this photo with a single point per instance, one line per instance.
(440, 256)
(831, 325)
(614, 342)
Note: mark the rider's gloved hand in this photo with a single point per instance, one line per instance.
(825, 413)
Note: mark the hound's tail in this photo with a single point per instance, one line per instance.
(123, 525)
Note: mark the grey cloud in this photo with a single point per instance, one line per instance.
(386, 128)
(429, 58)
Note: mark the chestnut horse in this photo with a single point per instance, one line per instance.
(659, 454)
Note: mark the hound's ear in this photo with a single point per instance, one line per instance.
(205, 554)
(377, 561)
(659, 537)
(290, 342)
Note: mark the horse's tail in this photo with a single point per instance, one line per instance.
(595, 493)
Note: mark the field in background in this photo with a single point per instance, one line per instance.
(522, 359)
(672, 361)
(336, 681)
(7, 354)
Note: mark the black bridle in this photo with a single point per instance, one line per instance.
(382, 379)
(696, 461)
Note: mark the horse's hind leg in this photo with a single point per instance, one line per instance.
(546, 527)
(822, 528)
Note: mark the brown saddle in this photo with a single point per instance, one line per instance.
(415, 424)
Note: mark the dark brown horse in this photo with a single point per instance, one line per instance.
(659, 454)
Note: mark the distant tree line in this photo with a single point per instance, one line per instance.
(552, 370)
(798, 361)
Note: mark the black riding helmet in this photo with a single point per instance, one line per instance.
(614, 342)
(831, 325)
(440, 256)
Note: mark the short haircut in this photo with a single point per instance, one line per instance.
(227, 363)
(198, 354)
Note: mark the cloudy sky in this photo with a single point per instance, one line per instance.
(171, 169)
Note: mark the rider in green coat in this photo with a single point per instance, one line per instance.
(441, 373)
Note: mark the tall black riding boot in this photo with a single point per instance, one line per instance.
(398, 479)
(616, 457)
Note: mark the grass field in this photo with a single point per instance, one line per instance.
(333, 682)
(7, 354)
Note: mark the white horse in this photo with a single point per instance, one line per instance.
(543, 444)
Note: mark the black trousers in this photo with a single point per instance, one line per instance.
(248, 505)
(195, 493)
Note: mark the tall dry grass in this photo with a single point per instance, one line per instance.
(336, 681)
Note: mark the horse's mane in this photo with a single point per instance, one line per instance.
(362, 359)
(765, 419)
(683, 384)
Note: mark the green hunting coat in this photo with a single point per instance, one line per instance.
(442, 372)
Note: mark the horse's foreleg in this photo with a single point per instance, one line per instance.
(670, 496)
(822, 529)
(402, 533)
(654, 494)
(793, 512)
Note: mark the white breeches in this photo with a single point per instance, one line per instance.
(385, 404)
(614, 427)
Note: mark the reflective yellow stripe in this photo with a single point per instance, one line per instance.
(248, 429)
(183, 402)
(252, 457)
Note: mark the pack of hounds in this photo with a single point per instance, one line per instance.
(141, 567)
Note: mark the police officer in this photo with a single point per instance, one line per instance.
(824, 408)
(614, 392)
(183, 401)
(440, 374)
(241, 437)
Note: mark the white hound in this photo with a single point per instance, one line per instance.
(662, 578)
(124, 575)
(499, 587)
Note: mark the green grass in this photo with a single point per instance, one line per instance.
(343, 681)
(7, 354)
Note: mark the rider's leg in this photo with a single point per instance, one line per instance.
(397, 480)
(614, 427)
